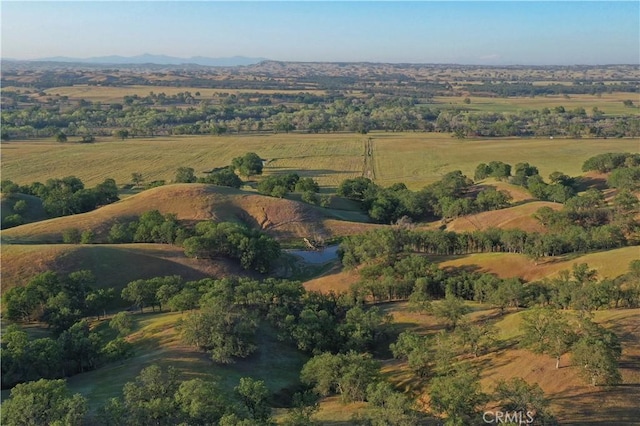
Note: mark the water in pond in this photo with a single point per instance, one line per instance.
(318, 256)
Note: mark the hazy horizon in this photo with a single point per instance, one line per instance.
(470, 33)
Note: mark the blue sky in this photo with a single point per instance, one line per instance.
(537, 33)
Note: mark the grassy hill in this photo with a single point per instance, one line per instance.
(282, 218)
(113, 265)
(572, 401)
(609, 263)
(156, 340)
(518, 217)
(33, 213)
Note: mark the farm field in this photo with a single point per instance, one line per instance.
(117, 93)
(328, 158)
(607, 103)
(419, 159)
(416, 159)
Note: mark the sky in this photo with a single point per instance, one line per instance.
(477, 32)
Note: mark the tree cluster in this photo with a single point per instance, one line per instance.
(75, 350)
(252, 248)
(447, 198)
(66, 196)
(58, 301)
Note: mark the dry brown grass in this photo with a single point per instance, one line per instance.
(113, 265)
(609, 264)
(190, 202)
(116, 94)
(518, 217)
(572, 400)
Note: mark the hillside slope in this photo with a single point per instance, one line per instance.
(284, 219)
(517, 217)
(113, 265)
(609, 264)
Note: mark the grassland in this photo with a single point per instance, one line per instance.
(608, 103)
(327, 158)
(419, 159)
(413, 158)
(517, 217)
(156, 340)
(282, 218)
(572, 401)
(117, 93)
(611, 264)
(113, 265)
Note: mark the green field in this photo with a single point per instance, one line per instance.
(418, 159)
(414, 158)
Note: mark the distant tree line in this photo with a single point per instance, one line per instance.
(158, 114)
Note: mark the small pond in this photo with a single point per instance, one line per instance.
(323, 255)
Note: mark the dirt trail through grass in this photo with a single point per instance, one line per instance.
(368, 170)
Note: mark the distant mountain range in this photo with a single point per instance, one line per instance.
(156, 59)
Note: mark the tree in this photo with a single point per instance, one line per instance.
(136, 178)
(458, 396)
(223, 331)
(61, 137)
(43, 402)
(450, 310)
(476, 337)
(224, 177)
(201, 402)
(71, 236)
(253, 394)
(516, 395)
(546, 330)
(305, 404)
(149, 400)
(121, 134)
(346, 374)
(185, 175)
(122, 323)
(388, 407)
(140, 293)
(248, 165)
(596, 354)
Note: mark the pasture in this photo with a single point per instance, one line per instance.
(416, 159)
(607, 103)
(110, 94)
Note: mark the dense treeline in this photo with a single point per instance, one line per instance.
(75, 350)
(252, 248)
(59, 301)
(448, 198)
(62, 197)
(159, 114)
(585, 224)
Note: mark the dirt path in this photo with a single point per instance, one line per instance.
(368, 170)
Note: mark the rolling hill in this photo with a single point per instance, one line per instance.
(281, 218)
(115, 265)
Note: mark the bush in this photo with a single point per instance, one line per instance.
(310, 197)
(71, 236)
(87, 237)
(12, 220)
(20, 206)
